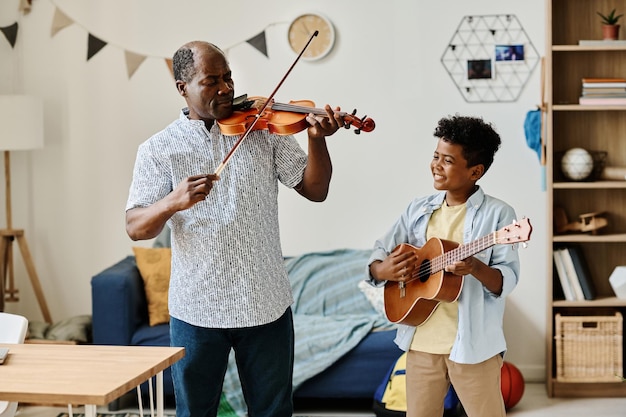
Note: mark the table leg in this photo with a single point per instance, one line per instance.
(159, 393)
(90, 410)
(151, 396)
(140, 401)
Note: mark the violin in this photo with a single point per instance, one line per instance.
(281, 118)
(286, 118)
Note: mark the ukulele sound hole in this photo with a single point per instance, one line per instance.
(424, 270)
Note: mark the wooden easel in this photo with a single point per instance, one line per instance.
(8, 292)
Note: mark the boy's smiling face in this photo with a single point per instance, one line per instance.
(451, 173)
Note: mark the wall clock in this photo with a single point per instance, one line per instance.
(301, 29)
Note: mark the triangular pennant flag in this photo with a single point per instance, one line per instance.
(94, 45)
(59, 21)
(170, 66)
(133, 61)
(10, 32)
(259, 43)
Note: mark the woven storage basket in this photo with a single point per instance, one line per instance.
(589, 348)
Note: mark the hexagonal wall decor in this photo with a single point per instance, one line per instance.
(490, 58)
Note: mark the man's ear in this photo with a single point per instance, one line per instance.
(181, 86)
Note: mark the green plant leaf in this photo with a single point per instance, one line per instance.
(611, 18)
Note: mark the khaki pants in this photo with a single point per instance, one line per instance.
(428, 377)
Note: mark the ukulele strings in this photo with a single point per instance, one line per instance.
(438, 263)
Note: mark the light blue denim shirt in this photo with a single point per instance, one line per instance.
(480, 335)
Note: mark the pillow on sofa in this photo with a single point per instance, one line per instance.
(375, 295)
(155, 265)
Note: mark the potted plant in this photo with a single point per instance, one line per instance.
(610, 28)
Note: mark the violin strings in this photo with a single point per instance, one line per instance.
(300, 109)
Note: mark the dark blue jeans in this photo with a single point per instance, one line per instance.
(264, 356)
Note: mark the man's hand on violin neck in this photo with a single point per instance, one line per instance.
(322, 126)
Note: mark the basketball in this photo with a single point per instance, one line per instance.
(512, 384)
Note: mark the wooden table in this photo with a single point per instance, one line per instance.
(82, 374)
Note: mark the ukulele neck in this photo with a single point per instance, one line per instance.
(463, 251)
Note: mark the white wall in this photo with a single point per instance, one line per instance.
(70, 196)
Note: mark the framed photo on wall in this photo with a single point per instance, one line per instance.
(479, 69)
(505, 53)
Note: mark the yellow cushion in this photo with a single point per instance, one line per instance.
(155, 265)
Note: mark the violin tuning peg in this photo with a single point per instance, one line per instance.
(357, 131)
(348, 123)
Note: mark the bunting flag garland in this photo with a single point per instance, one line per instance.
(59, 21)
(94, 45)
(259, 43)
(10, 32)
(133, 61)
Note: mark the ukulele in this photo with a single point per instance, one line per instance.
(413, 301)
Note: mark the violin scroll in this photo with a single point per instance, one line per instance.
(365, 124)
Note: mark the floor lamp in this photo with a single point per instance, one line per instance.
(21, 128)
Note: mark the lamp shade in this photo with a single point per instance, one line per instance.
(21, 122)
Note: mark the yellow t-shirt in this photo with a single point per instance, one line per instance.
(437, 334)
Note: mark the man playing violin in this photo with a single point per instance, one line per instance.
(228, 288)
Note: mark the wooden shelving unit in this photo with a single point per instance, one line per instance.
(598, 128)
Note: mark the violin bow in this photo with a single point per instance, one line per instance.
(221, 167)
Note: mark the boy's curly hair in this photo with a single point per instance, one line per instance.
(478, 139)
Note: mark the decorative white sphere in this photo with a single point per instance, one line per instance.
(577, 164)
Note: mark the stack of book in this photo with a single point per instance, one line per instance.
(573, 273)
(603, 91)
(602, 42)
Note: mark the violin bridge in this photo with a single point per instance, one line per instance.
(402, 289)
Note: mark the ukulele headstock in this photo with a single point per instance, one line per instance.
(515, 232)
